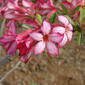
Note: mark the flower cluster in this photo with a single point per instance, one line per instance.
(40, 34)
(74, 3)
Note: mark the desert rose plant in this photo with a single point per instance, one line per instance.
(35, 26)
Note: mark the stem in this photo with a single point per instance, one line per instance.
(2, 31)
(10, 71)
(2, 27)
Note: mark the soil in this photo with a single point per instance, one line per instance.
(66, 69)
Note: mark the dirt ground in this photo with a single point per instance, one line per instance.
(66, 69)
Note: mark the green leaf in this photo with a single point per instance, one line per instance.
(65, 9)
(34, 1)
(69, 0)
(82, 15)
(70, 20)
(53, 18)
(77, 28)
(39, 18)
(76, 9)
(27, 26)
(31, 16)
(60, 12)
(79, 38)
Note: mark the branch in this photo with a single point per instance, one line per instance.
(2, 27)
(10, 71)
(2, 30)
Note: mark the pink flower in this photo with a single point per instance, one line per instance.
(66, 30)
(47, 36)
(27, 3)
(25, 52)
(74, 3)
(3, 2)
(9, 39)
(25, 45)
(46, 39)
(45, 7)
(78, 2)
(45, 4)
(18, 10)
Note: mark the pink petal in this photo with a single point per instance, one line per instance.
(26, 58)
(64, 41)
(9, 15)
(56, 38)
(26, 3)
(39, 48)
(69, 35)
(11, 27)
(63, 19)
(23, 34)
(51, 2)
(36, 36)
(6, 38)
(23, 49)
(70, 27)
(12, 48)
(45, 5)
(59, 29)
(45, 12)
(78, 2)
(67, 4)
(74, 2)
(46, 28)
(6, 45)
(10, 5)
(52, 48)
(28, 44)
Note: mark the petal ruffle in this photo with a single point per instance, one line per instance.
(59, 29)
(52, 48)
(26, 3)
(36, 36)
(46, 28)
(12, 48)
(39, 48)
(56, 38)
(63, 19)
(70, 27)
(69, 35)
(64, 41)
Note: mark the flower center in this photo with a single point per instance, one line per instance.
(46, 38)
